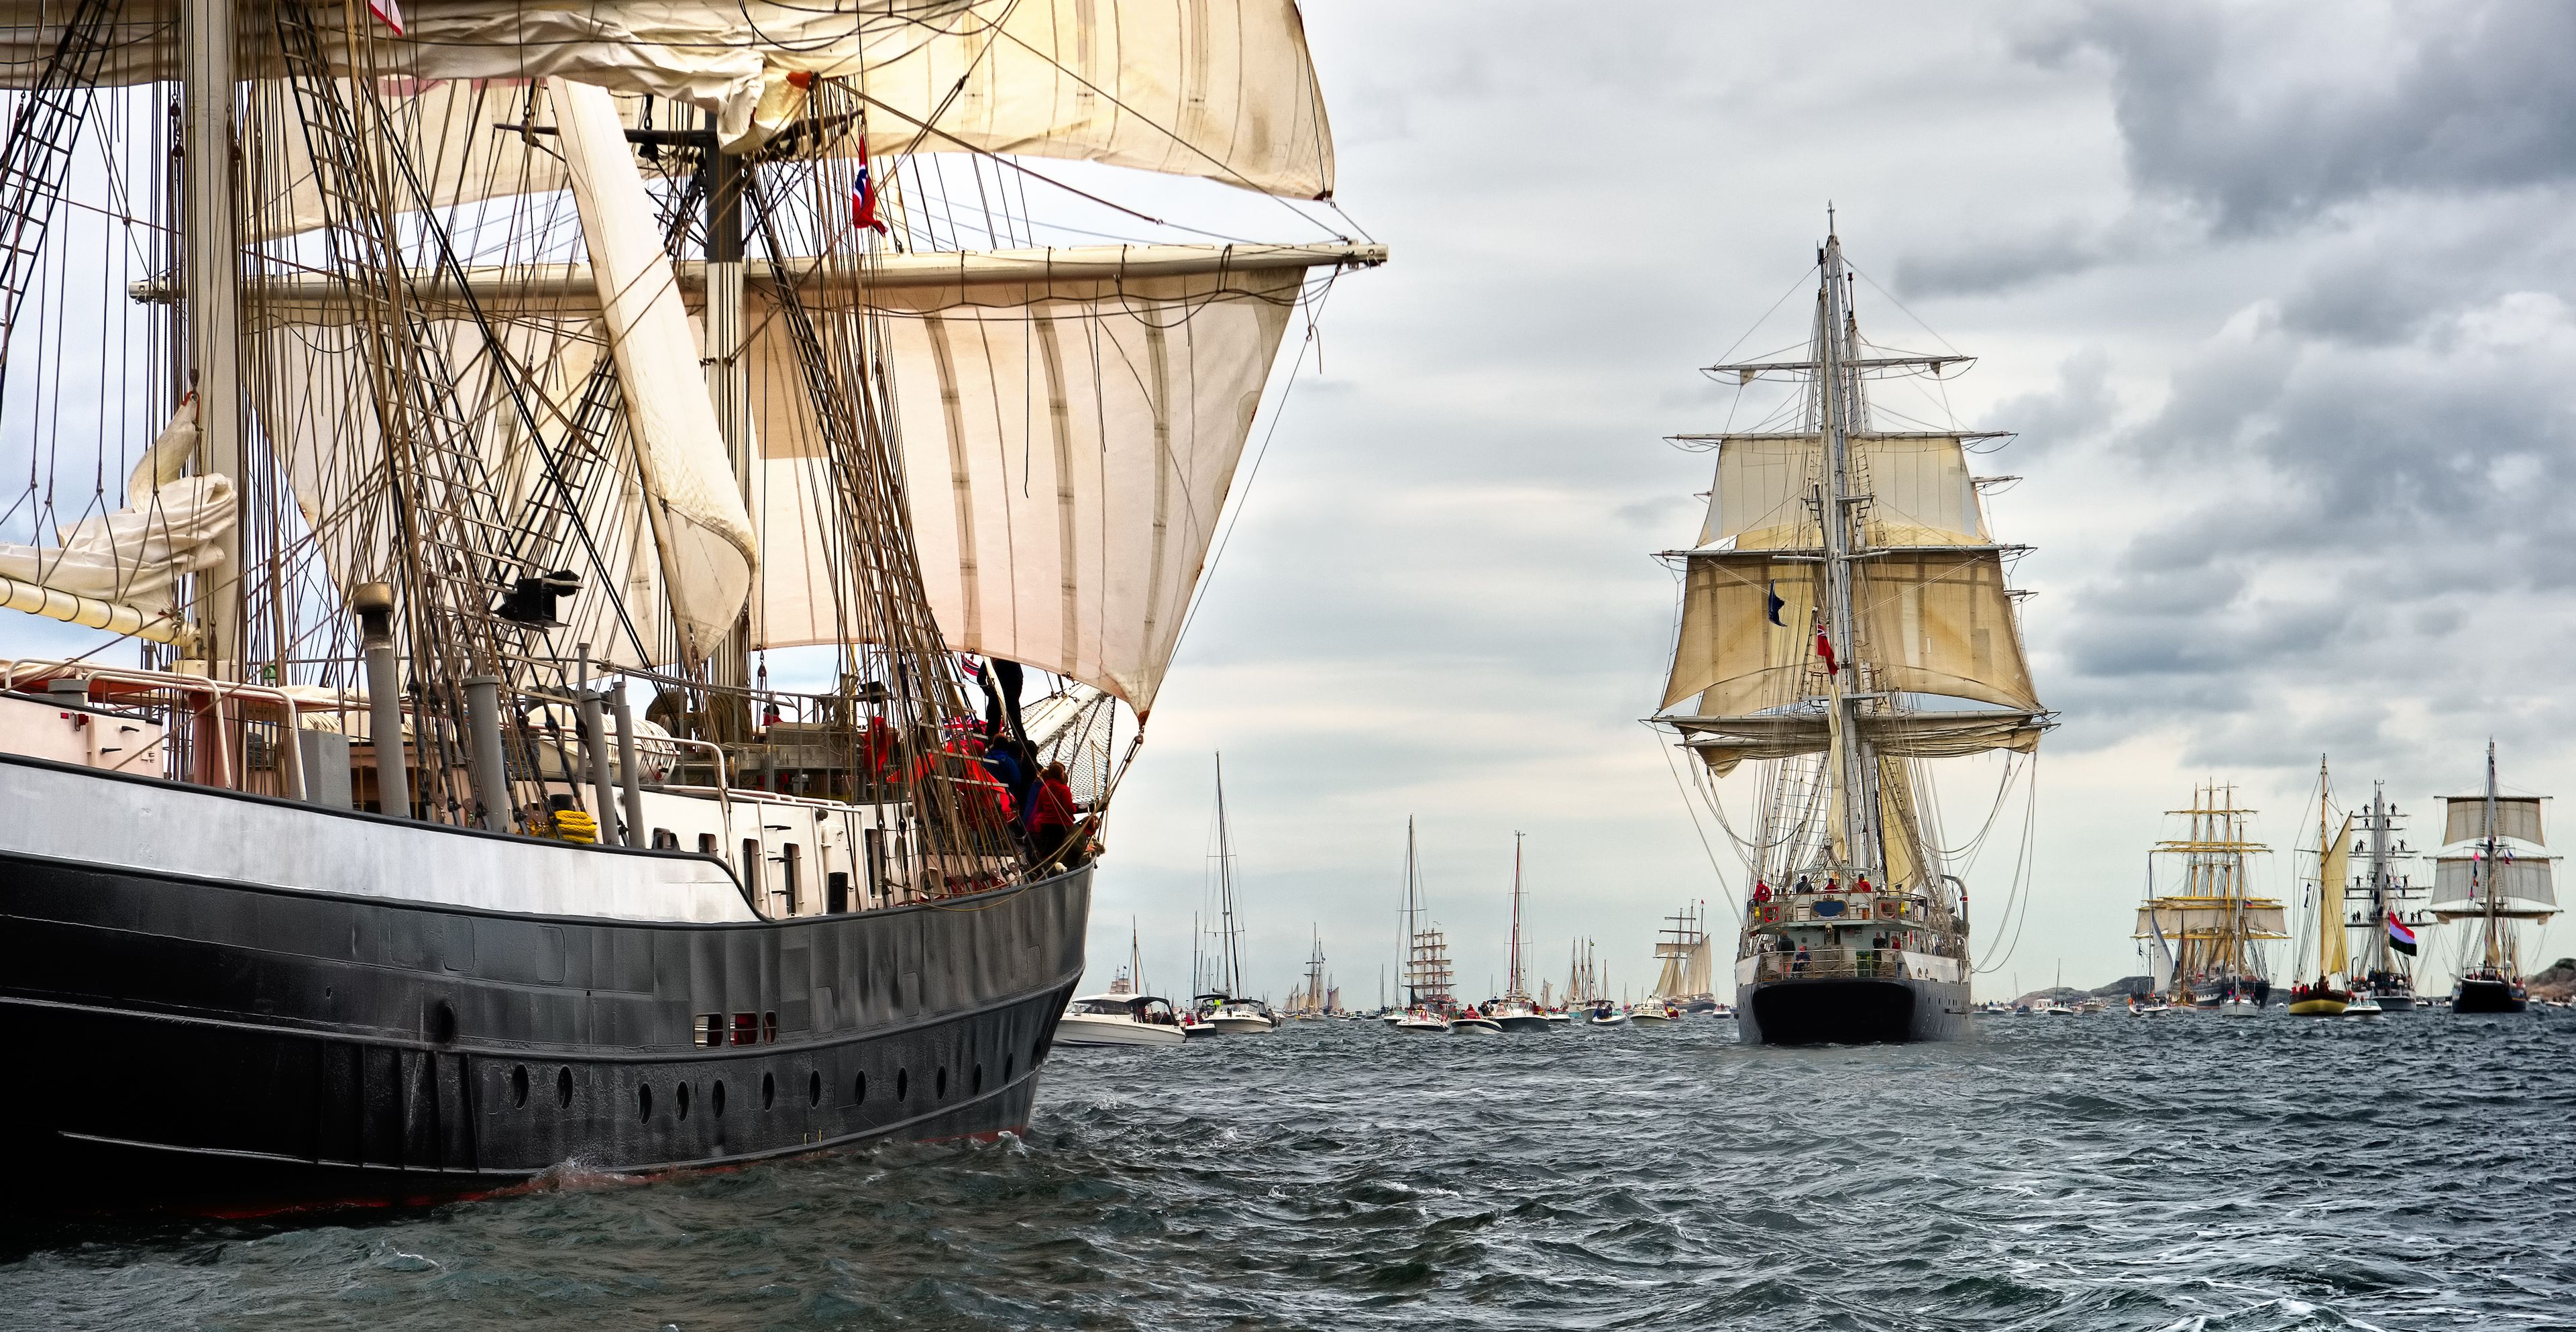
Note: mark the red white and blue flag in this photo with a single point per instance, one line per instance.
(388, 13)
(2399, 937)
(863, 199)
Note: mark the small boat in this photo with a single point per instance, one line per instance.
(2237, 1005)
(1474, 1023)
(2056, 1009)
(1607, 1014)
(1421, 1022)
(1519, 1015)
(1654, 1013)
(2362, 1005)
(1120, 1019)
(1237, 1017)
(1559, 1018)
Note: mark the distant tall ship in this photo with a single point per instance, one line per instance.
(1846, 620)
(2381, 903)
(2494, 878)
(2209, 935)
(1688, 975)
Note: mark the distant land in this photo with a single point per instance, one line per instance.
(2558, 983)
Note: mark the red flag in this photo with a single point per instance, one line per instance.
(863, 198)
(388, 13)
(1825, 649)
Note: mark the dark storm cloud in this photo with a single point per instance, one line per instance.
(2269, 115)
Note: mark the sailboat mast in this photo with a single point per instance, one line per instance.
(2328, 918)
(1229, 957)
(2495, 952)
(1516, 987)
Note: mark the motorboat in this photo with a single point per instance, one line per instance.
(1120, 1019)
(2363, 1004)
(1421, 1022)
(1516, 1015)
(1607, 1015)
(1556, 1018)
(1654, 1013)
(1237, 1017)
(1474, 1023)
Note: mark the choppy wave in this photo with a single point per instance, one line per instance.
(2106, 1172)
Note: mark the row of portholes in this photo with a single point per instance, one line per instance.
(768, 1089)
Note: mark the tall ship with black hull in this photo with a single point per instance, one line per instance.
(2493, 876)
(436, 414)
(1847, 623)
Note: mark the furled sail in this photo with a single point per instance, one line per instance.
(1225, 92)
(700, 527)
(2517, 817)
(119, 570)
(1726, 742)
(1068, 446)
(2182, 918)
(2523, 879)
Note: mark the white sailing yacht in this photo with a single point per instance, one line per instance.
(1225, 1009)
(1426, 957)
(2494, 877)
(1516, 1010)
(1847, 621)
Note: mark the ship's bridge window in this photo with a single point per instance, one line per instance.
(665, 840)
(706, 844)
(710, 1029)
(746, 1028)
(769, 1026)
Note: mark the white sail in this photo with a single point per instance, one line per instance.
(1225, 92)
(2251, 918)
(700, 526)
(2523, 879)
(2517, 817)
(1068, 447)
(130, 559)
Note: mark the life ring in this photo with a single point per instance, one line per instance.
(1889, 910)
(1766, 914)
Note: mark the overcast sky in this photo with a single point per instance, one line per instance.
(2277, 297)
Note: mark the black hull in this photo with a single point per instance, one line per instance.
(2488, 996)
(1530, 1022)
(2394, 1003)
(213, 1047)
(1842, 1011)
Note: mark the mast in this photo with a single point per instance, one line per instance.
(2487, 868)
(2329, 919)
(1517, 987)
(1859, 813)
(210, 269)
(1229, 954)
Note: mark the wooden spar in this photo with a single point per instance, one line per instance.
(566, 287)
(115, 617)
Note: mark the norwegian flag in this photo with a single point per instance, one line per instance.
(388, 13)
(863, 199)
(1825, 649)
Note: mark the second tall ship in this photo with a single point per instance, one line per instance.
(1847, 620)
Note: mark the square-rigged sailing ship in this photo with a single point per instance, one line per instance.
(1845, 621)
(514, 379)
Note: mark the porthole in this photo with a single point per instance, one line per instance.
(903, 1084)
(643, 1100)
(683, 1103)
(814, 1087)
(519, 1086)
(719, 1094)
(563, 1086)
(979, 1080)
(859, 1089)
(939, 1084)
(768, 1091)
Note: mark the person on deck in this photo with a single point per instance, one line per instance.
(1804, 886)
(1052, 816)
(1862, 886)
(1833, 883)
(1761, 891)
